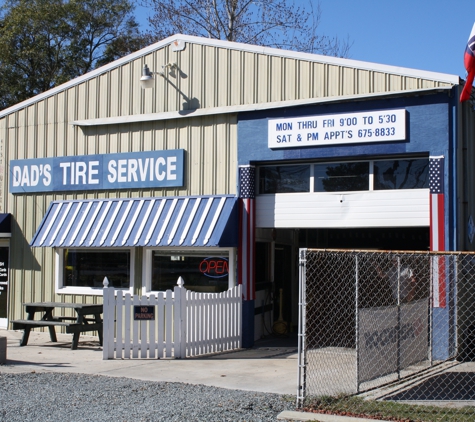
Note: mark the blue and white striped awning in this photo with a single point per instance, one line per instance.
(167, 221)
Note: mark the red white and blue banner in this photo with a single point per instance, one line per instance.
(437, 229)
(247, 211)
(469, 62)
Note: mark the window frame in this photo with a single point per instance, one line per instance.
(148, 255)
(61, 289)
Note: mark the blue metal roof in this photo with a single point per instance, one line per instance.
(166, 221)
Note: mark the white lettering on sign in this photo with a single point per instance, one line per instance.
(31, 176)
(148, 169)
(80, 172)
(348, 128)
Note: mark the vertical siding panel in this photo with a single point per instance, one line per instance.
(185, 67)
(209, 92)
(103, 98)
(222, 75)
(149, 100)
(394, 83)
(348, 81)
(276, 79)
(379, 82)
(289, 79)
(333, 78)
(135, 103)
(114, 93)
(63, 110)
(196, 153)
(91, 98)
(262, 77)
(80, 93)
(318, 80)
(195, 77)
(235, 72)
(248, 78)
(208, 158)
(304, 80)
(364, 82)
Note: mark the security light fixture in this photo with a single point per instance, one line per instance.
(146, 81)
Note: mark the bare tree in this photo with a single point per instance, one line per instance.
(271, 23)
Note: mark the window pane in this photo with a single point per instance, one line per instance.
(201, 273)
(284, 179)
(88, 268)
(341, 177)
(401, 174)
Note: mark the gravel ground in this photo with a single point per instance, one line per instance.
(71, 397)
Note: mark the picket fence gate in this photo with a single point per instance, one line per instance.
(175, 324)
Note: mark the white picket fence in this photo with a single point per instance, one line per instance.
(183, 324)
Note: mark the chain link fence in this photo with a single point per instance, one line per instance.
(388, 327)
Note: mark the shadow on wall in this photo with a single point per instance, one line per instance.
(22, 257)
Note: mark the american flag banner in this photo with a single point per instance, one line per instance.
(437, 229)
(246, 255)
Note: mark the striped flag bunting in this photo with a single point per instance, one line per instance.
(246, 255)
(437, 229)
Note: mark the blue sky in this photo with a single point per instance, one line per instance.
(419, 34)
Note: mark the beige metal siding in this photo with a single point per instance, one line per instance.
(211, 161)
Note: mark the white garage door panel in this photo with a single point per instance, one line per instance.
(395, 208)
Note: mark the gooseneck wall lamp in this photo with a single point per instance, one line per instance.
(146, 81)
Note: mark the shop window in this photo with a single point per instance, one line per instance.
(87, 269)
(341, 177)
(201, 272)
(401, 174)
(284, 179)
(345, 176)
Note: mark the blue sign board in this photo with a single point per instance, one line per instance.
(146, 169)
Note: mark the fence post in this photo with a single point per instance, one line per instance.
(108, 313)
(301, 363)
(357, 324)
(179, 322)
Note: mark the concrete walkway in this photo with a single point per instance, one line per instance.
(267, 368)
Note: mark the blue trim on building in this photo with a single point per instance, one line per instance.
(428, 130)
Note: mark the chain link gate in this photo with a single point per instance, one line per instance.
(388, 326)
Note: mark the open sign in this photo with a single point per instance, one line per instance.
(214, 267)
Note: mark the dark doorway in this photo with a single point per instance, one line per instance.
(283, 278)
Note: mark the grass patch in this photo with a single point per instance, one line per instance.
(387, 410)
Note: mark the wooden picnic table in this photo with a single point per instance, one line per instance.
(88, 318)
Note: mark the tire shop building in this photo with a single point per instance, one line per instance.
(235, 157)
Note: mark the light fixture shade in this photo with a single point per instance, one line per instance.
(146, 81)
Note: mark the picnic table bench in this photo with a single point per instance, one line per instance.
(88, 318)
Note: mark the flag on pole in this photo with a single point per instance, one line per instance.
(469, 62)
(437, 229)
